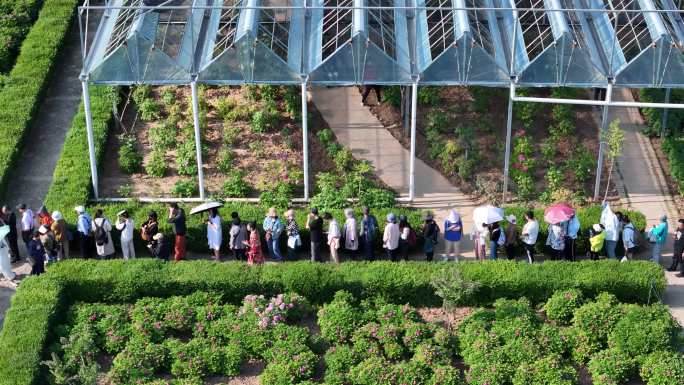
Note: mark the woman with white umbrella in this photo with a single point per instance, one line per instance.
(214, 232)
(483, 216)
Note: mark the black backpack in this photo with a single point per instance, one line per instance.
(101, 237)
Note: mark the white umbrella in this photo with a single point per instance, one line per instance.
(487, 215)
(205, 207)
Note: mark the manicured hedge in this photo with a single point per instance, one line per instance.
(28, 80)
(674, 148)
(654, 116)
(18, 16)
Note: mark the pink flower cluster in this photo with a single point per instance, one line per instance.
(270, 312)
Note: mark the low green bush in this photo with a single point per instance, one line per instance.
(550, 370)
(654, 116)
(611, 367)
(16, 23)
(235, 186)
(592, 323)
(644, 330)
(130, 159)
(561, 306)
(156, 166)
(663, 368)
(185, 188)
(674, 149)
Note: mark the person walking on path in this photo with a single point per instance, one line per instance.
(351, 235)
(530, 233)
(36, 254)
(430, 237)
(390, 238)
(102, 229)
(572, 228)
(404, 237)
(678, 246)
(273, 227)
(177, 219)
(511, 233)
(83, 230)
(495, 235)
(44, 217)
(148, 230)
(28, 223)
(238, 236)
(253, 244)
(5, 258)
(596, 241)
(214, 233)
(334, 236)
(293, 238)
(60, 230)
(556, 240)
(453, 231)
(611, 224)
(315, 225)
(160, 248)
(628, 239)
(10, 219)
(658, 237)
(369, 229)
(125, 224)
(47, 238)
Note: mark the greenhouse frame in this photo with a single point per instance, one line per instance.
(496, 43)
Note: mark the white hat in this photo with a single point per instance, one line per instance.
(79, 209)
(57, 216)
(43, 229)
(453, 216)
(597, 227)
(511, 218)
(158, 236)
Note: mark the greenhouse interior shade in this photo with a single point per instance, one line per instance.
(579, 43)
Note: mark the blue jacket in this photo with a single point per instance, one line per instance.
(660, 232)
(453, 235)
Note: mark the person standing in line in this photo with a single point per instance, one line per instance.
(160, 248)
(214, 233)
(404, 236)
(628, 238)
(369, 229)
(678, 246)
(83, 229)
(293, 238)
(148, 230)
(315, 225)
(530, 232)
(253, 244)
(478, 235)
(36, 254)
(351, 236)
(5, 259)
(44, 217)
(367, 90)
(28, 223)
(124, 223)
(511, 233)
(596, 241)
(430, 237)
(611, 224)
(658, 235)
(334, 236)
(494, 235)
(273, 227)
(573, 227)
(556, 239)
(103, 238)
(10, 219)
(238, 236)
(61, 232)
(453, 231)
(390, 238)
(47, 238)
(177, 219)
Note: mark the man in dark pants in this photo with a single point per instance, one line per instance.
(678, 246)
(369, 228)
(83, 230)
(10, 219)
(315, 225)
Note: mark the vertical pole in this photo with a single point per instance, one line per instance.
(663, 126)
(509, 125)
(604, 126)
(305, 140)
(91, 137)
(406, 106)
(198, 137)
(412, 167)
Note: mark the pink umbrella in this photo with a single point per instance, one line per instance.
(558, 213)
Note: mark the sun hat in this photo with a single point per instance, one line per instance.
(511, 218)
(391, 217)
(453, 216)
(43, 229)
(158, 236)
(57, 216)
(596, 227)
(79, 209)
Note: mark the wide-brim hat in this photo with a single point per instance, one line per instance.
(57, 216)
(79, 209)
(512, 219)
(596, 227)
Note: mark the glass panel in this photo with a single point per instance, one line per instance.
(378, 67)
(339, 68)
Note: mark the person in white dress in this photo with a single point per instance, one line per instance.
(125, 225)
(5, 262)
(214, 233)
(351, 234)
(104, 246)
(334, 235)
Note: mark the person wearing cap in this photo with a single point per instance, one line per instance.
(511, 232)
(253, 244)
(596, 241)
(214, 233)
(47, 238)
(104, 246)
(238, 236)
(27, 222)
(530, 233)
(315, 225)
(351, 233)
(10, 219)
(83, 230)
(430, 235)
(369, 229)
(572, 227)
(44, 217)
(273, 227)
(404, 236)
(5, 259)
(125, 224)
(678, 246)
(658, 235)
(61, 232)
(628, 239)
(390, 237)
(160, 249)
(148, 230)
(334, 235)
(453, 231)
(177, 219)
(36, 254)
(292, 232)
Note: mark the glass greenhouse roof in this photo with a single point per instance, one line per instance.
(581, 43)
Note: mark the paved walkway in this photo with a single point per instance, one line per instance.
(359, 130)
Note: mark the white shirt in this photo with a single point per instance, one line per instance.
(612, 226)
(405, 233)
(126, 227)
(27, 220)
(391, 236)
(531, 228)
(333, 230)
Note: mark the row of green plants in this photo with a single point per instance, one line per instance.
(18, 17)
(25, 85)
(42, 302)
(654, 116)
(673, 147)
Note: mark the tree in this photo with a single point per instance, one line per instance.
(614, 137)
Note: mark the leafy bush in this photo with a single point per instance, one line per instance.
(339, 318)
(163, 136)
(280, 196)
(452, 288)
(592, 322)
(224, 160)
(20, 14)
(156, 165)
(611, 367)
(654, 116)
(149, 110)
(643, 330)
(429, 96)
(130, 159)
(186, 160)
(663, 368)
(562, 305)
(235, 186)
(185, 188)
(264, 120)
(674, 148)
(377, 198)
(392, 95)
(550, 370)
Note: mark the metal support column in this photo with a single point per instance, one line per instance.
(198, 137)
(305, 140)
(412, 164)
(663, 126)
(91, 137)
(507, 160)
(604, 127)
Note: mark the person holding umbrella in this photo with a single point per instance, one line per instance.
(214, 233)
(555, 216)
(484, 215)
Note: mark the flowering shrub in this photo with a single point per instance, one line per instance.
(643, 330)
(611, 367)
(592, 322)
(277, 310)
(663, 368)
(550, 370)
(561, 306)
(339, 318)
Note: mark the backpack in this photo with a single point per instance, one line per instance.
(502, 238)
(101, 237)
(639, 240)
(412, 238)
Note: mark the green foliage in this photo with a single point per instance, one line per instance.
(239, 113)
(156, 166)
(231, 134)
(554, 178)
(562, 305)
(674, 149)
(392, 95)
(186, 160)
(340, 318)
(592, 322)
(125, 190)
(377, 198)
(614, 138)
(235, 186)
(163, 136)
(149, 110)
(663, 368)
(429, 96)
(224, 160)
(19, 16)
(452, 288)
(257, 148)
(185, 188)
(581, 164)
(293, 101)
(439, 122)
(269, 93)
(550, 370)
(654, 116)
(264, 120)
(611, 367)
(225, 106)
(644, 330)
(130, 159)
(279, 196)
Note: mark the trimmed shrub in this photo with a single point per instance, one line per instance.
(592, 322)
(663, 368)
(643, 330)
(16, 23)
(561, 306)
(550, 370)
(611, 367)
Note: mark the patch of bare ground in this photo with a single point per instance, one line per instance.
(448, 319)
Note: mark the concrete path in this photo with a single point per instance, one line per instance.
(359, 130)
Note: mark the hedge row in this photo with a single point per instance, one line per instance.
(654, 116)
(674, 148)
(26, 83)
(18, 16)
